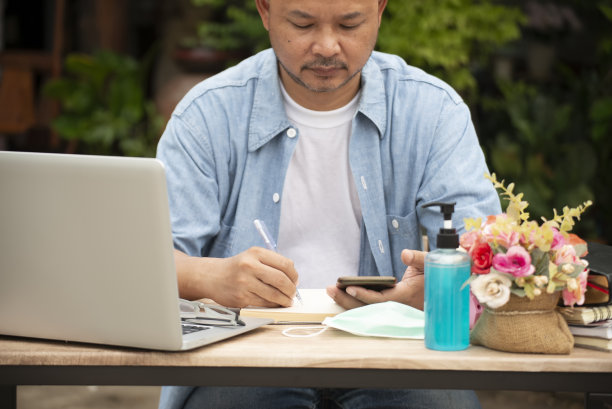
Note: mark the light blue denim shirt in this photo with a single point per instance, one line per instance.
(227, 147)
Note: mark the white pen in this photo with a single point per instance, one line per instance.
(271, 244)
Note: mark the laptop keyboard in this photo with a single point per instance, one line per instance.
(190, 328)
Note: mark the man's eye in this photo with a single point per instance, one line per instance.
(349, 26)
(302, 26)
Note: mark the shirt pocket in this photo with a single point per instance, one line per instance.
(404, 233)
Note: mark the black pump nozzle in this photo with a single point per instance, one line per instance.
(448, 237)
(446, 208)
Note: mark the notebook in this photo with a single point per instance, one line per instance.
(316, 305)
(86, 253)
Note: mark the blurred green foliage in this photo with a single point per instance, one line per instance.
(538, 151)
(448, 37)
(104, 106)
(232, 25)
(551, 136)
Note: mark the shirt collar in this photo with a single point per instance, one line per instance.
(268, 117)
(373, 99)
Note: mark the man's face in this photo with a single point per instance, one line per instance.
(321, 45)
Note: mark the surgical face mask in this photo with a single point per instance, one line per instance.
(387, 319)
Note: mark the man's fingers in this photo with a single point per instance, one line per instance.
(277, 262)
(364, 295)
(409, 291)
(273, 294)
(261, 302)
(276, 276)
(412, 272)
(355, 296)
(414, 258)
(251, 278)
(342, 298)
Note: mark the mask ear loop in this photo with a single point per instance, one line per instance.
(288, 331)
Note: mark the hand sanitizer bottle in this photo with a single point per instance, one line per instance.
(447, 304)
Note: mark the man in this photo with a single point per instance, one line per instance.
(336, 148)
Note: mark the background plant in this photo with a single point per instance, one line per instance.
(553, 136)
(599, 92)
(550, 133)
(104, 105)
(449, 38)
(232, 25)
(538, 150)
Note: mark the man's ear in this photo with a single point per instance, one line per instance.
(381, 7)
(263, 7)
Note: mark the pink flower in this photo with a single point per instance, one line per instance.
(475, 309)
(504, 235)
(527, 239)
(469, 239)
(573, 296)
(558, 239)
(488, 226)
(482, 257)
(565, 254)
(508, 239)
(516, 261)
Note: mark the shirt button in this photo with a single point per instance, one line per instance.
(363, 183)
(291, 133)
(380, 247)
(395, 224)
(275, 197)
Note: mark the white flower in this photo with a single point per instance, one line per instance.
(568, 268)
(492, 289)
(540, 281)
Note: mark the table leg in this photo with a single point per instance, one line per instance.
(8, 396)
(597, 400)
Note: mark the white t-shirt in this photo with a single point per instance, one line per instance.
(320, 218)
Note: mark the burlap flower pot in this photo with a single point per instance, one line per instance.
(524, 325)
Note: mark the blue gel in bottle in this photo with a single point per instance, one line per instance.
(447, 304)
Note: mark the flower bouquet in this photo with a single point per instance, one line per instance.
(519, 270)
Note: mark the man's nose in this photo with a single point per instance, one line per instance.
(326, 43)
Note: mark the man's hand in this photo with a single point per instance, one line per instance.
(257, 276)
(410, 290)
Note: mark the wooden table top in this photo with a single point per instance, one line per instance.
(268, 347)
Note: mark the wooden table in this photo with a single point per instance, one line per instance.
(265, 357)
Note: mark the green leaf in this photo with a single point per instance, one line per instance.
(540, 261)
(580, 249)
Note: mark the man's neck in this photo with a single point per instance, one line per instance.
(321, 101)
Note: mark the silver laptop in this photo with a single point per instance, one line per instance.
(86, 255)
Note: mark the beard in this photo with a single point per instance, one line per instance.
(320, 63)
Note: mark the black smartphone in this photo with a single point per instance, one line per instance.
(377, 283)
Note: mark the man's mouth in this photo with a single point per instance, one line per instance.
(325, 71)
(325, 67)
